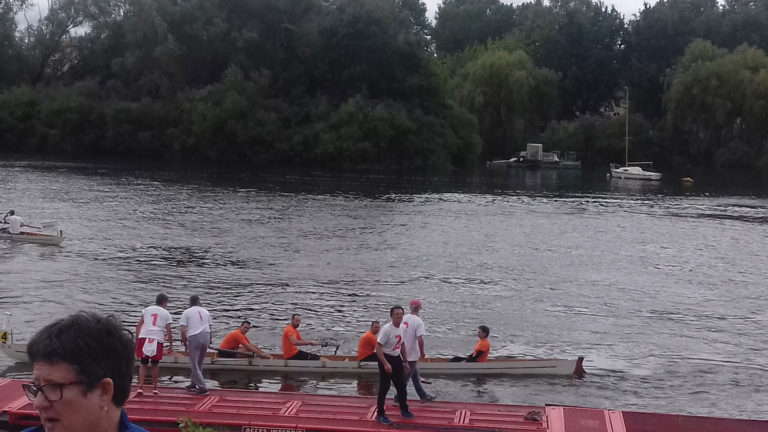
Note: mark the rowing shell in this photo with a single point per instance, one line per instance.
(350, 366)
(33, 237)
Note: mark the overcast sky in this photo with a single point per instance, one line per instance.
(625, 7)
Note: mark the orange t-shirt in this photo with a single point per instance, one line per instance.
(289, 349)
(366, 346)
(483, 346)
(233, 340)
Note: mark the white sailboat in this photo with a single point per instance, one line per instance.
(632, 170)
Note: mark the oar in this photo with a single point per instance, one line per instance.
(32, 226)
(330, 342)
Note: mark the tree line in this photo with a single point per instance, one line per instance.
(375, 83)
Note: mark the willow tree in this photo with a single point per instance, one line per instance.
(511, 98)
(717, 104)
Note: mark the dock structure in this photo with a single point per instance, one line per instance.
(258, 411)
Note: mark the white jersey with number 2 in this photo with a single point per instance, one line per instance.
(155, 320)
(391, 339)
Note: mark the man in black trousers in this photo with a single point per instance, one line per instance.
(390, 350)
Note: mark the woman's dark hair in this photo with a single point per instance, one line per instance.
(96, 347)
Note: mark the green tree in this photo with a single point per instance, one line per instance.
(10, 54)
(580, 40)
(461, 24)
(716, 105)
(657, 39)
(510, 97)
(744, 21)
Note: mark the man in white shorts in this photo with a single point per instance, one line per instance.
(154, 324)
(391, 353)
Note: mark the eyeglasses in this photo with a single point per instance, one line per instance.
(52, 392)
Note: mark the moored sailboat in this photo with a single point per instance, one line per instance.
(632, 170)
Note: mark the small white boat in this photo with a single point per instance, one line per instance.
(50, 235)
(631, 170)
(335, 364)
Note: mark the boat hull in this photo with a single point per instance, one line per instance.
(634, 173)
(30, 237)
(350, 366)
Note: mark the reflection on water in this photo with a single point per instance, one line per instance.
(660, 288)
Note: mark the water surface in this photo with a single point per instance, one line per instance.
(661, 287)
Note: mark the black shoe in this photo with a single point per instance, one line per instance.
(191, 387)
(406, 414)
(383, 419)
(428, 398)
(201, 392)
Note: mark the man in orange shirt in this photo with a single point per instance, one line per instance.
(236, 340)
(366, 348)
(292, 340)
(483, 347)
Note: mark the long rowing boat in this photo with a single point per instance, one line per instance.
(336, 364)
(47, 238)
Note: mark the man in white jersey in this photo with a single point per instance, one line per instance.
(414, 344)
(391, 352)
(155, 323)
(196, 335)
(14, 222)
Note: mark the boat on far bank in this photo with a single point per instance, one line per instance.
(534, 157)
(632, 170)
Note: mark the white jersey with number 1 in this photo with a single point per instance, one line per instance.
(155, 320)
(391, 339)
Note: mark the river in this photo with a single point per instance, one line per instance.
(662, 287)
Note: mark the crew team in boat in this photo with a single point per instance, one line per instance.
(397, 347)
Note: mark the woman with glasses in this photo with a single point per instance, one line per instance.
(83, 368)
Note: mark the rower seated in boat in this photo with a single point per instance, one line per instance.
(14, 221)
(237, 344)
(292, 340)
(366, 348)
(483, 347)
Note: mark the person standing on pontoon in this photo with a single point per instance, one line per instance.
(153, 326)
(414, 344)
(196, 335)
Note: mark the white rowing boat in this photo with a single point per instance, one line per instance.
(349, 365)
(51, 236)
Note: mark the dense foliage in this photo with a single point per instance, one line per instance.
(374, 83)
